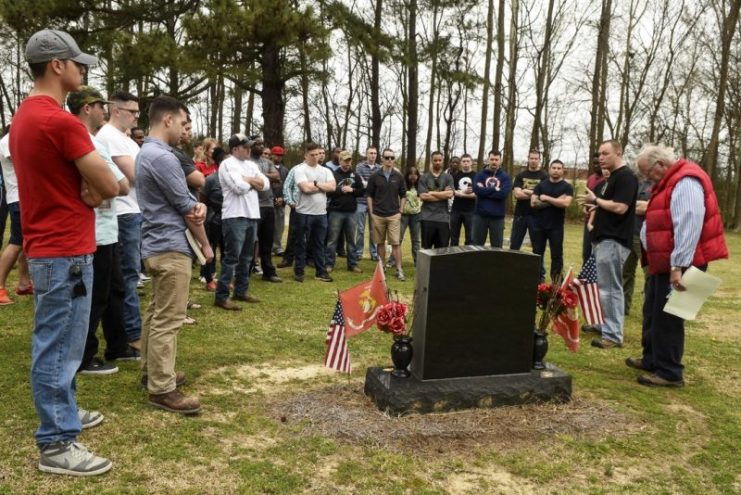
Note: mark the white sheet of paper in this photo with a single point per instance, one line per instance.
(700, 286)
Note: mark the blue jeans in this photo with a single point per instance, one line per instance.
(488, 225)
(239, 249)
(311, 229)
(362, 213)
(129, 246)
(342, 223)
(59, 333)
(610, 256)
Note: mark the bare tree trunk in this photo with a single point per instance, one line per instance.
(433, 78)
(485, 89)
(250, 113)
(375, 77)
(273, 85)
(511, 110)
(305, 94)
(237, 110)
(213, 95)
(730, 20)
(412, 88)
(599, 84)
(543, 62)
(499, 74)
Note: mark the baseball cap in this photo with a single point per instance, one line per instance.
(49, 44)
(87, 95)
(345, 155)
(239, 140)
(277, 150)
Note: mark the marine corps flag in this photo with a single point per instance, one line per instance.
(361, 303)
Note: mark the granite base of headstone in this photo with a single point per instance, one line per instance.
(399, 396)
(473, 336)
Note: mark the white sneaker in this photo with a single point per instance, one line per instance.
(400, 275)
(72, 458)
(144, 278)
(89, 418)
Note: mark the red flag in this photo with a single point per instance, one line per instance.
(361, 303)
(337, 356)
(566, 324)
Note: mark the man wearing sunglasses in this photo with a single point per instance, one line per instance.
(386, 195)
(124, 111)
(61, 178)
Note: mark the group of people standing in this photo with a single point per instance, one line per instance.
(96, 199)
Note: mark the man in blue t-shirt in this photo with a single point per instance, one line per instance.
(549, 201)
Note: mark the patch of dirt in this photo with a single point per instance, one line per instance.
(717, 326)
(345, 413)
(494, 482)
(249, 379)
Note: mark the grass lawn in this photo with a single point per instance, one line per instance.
(274, 421)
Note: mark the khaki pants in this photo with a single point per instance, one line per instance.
(387, 228)
(170, 274)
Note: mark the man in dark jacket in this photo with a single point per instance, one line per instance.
(491, 186)
(341, 208)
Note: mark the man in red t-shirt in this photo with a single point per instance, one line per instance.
(61, 178)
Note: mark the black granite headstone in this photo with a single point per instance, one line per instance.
(474, 312)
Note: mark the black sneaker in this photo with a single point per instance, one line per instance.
(130, 354)
(323, 277)
(97, 366)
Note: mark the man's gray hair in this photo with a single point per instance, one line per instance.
(654, 153)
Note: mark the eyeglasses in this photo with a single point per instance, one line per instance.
(389, 158)
(79, 290)
(134, 113)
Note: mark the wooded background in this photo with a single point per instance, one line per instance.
(459, 76)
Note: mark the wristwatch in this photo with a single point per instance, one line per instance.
(677, 268)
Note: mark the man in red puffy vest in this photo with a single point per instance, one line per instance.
(683, 228)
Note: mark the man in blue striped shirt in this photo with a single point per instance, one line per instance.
(683, 228)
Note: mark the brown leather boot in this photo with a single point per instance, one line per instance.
(179, 380)
(176, 402)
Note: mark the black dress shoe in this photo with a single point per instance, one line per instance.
(656, 381)
(284, 264)
(272, 278)
(636, 364)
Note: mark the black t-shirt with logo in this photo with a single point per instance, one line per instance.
(527, 179)
(462, 181)
(550, 216)
(622, 187)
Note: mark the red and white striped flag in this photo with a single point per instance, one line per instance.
(588, 292)
(566, 324)
(337, 356)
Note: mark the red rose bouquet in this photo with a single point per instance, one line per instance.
(553, 300)
(392, 318)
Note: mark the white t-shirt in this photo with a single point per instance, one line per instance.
(240, 199)
(119, 144)
(312, 204)
(9, 179)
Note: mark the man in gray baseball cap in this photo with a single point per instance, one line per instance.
(61, 178)
(48, 44)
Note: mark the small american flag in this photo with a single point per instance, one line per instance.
(337, 356)
(588, 291)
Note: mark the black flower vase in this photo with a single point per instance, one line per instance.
(540, 348)
(401, 356)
